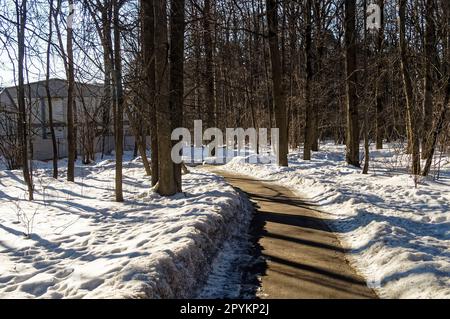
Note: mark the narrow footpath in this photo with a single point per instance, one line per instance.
(304, 258)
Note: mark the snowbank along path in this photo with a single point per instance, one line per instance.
(397, 231)
(84, 245)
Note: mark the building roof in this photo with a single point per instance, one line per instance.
(58, 88)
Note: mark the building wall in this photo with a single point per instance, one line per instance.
(43, 150)
(90, 97)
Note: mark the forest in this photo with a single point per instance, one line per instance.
(91, 91)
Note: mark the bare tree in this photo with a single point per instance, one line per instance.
(22, 121)
(279, 97)
(119, 107)
(379, 92)
(429, 78)
(210, 94)
(176, 89)
(166, 183)
(365, 51)
(49, 97)
(440, 121)
(71, 138)
(309, 121)
(352, 136)
(408, 89)
(148, 34)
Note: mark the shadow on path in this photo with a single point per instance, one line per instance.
(303, 257)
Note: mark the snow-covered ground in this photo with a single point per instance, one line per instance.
(398, 232)
(82, 244)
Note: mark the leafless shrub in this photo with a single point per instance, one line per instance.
(25, 218)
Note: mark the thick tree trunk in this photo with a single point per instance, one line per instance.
(148, 34)
(176, 57)
(22, 120)
(166, 183)
(107, 60)
(408, 89)
(279, 97)
(118, 114)
(71, 139)
(352, 134)
(366, 113)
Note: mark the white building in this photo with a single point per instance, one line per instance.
(89, 115)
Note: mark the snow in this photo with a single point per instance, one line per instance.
(82, 244)
(233, 274)
(225, 279)
(397, 227)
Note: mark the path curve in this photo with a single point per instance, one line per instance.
(304, 257)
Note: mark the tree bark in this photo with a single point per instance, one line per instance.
(176, 57)
(366, 113)
(118, 114)
(309, 121)
(408, 89)
(379, 95)
(166, 183)
(439, 125)
(352, 138)
(148, 33)
(210, 89)
(22, 120)
(279, 96)
(430, 53)
(71, 142)
(104, 32)
(49, 97)
(320, 20)
(139, 144)
(107, 60)
(437, 131)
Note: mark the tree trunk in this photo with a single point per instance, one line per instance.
(437, 131)
(49, 97)
(430, 53)
(176, 98)
(279, 97)
(107, 60)
(148, 33)
(439, 125)
(352, 136)
(166, 183)
(139, 144)
(319, 20)
(118, 114)
(366, 113)
(408, 89)
(22, 120)
(309, 121)
(71, 142)
(210, 89)
(379, 95)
